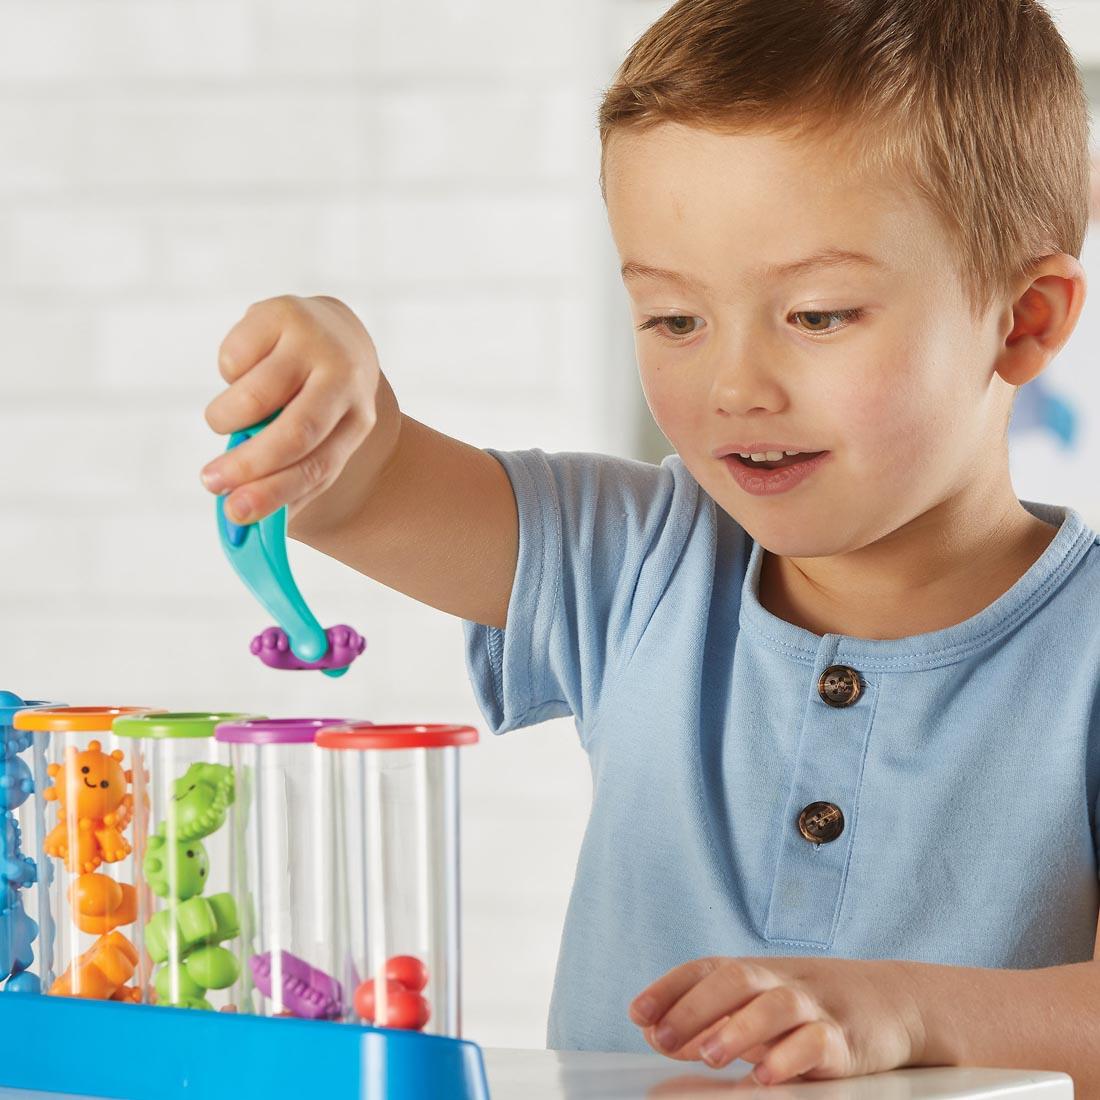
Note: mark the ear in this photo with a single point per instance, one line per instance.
(1041, 317)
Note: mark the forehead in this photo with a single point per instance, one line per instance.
(686, 198)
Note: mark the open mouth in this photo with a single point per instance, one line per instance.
(786, 460)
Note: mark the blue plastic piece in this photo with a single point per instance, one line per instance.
(10, 705)
(17, 871)
(17, 934)
(23, 982)
(178, 1054)
(16, 782)
(257, 551)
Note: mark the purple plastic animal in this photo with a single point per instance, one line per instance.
(306, 991)
(272, 646)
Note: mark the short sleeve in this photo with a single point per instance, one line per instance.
(599, 539)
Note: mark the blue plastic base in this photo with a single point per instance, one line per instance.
(134, 1052)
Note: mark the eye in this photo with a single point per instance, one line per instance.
(190, 854)
(816, 316)
(669, 325)
(85, 769)
(104, 784)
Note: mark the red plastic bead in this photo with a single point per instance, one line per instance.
(407, 1009)
(408, 970)
(364, 997)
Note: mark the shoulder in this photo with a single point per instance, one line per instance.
(614, 489)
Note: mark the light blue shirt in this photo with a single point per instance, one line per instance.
(966, 771)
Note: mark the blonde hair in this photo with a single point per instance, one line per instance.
(977, 104)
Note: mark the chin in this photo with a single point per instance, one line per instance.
(792, 537)
(796, 526)
(796, 546)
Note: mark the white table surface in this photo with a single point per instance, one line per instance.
(582, 1075)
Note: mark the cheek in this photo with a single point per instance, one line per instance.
(673, 399)
(901, 417)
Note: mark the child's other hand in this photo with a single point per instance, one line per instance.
(312, 358)
(815, 1018)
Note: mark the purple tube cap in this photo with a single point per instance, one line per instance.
(274, 731)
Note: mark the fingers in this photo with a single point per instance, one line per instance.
(298, 483)
(817, 1049)
(307, 419)
(264, 389)
(253, 337)
(311, 361)
(689, 1052)
(754, 1054)
(763, 1019)
(692, 997)
(656, 999)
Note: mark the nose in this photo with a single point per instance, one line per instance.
(745, 382)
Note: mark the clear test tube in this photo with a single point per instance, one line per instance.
(83, 786)
(400, 873)
(187, 922)
(21, 922)
(283, 830)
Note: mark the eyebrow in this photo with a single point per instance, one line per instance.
(826, 257)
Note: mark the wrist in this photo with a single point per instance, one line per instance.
(346, 498)
(921, 1016)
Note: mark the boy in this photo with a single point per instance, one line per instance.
(837, 684)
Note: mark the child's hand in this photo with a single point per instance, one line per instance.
(312, 358)
(817, 1018)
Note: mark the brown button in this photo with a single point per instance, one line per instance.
(839, 686)
(821, 822)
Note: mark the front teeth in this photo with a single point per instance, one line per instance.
(767, 456)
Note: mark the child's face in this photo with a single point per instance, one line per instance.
(903, 394)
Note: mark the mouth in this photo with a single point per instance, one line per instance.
(777, 464)
(766, 479)
(91, 785)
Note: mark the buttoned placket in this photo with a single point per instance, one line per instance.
(818, 823)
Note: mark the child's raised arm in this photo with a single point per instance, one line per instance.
(422, 513)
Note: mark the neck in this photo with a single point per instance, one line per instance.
(939, 569)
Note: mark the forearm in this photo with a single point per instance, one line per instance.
(437, 520)
(1047, 1018)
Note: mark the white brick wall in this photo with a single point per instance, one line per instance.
(165, 164)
